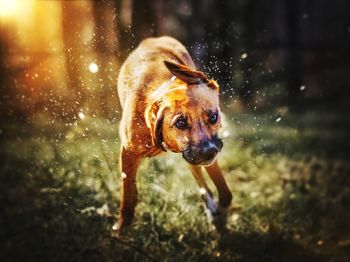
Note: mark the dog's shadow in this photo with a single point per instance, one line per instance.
(265, 247)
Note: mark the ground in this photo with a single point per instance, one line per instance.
(59, 193)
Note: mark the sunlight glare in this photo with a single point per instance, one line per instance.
(8, 7)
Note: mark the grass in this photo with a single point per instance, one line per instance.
(59, 194)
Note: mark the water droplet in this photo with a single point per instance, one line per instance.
(81, 115)
(226, 133)
(93, 68)
(244, 56)
(202, 191)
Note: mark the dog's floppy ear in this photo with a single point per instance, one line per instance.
(213, 85)
(186, 74)
(190, 76)
(154, 120)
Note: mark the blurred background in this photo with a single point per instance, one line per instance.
(283, 69)
(62, 57)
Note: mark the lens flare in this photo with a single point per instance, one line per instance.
(8, 7)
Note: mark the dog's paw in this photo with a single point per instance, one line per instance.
(218, 218)
(119, 230)
(116, 232)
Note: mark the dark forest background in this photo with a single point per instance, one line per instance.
(263, 53)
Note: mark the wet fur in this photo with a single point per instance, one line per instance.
(151, 96)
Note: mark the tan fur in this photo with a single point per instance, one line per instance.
(152, 98)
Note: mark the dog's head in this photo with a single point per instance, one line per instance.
(185, 115)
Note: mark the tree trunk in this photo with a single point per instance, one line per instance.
(293, 55)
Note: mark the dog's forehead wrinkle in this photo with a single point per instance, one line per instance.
(200, 125)
(203, 95)
(166, 89)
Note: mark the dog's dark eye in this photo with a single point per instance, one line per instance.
(181, 124)
(213, 118)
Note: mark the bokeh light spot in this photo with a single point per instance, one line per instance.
(93, 68)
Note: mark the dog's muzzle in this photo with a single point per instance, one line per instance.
(203, 153)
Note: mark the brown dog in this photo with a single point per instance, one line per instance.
(168, 105)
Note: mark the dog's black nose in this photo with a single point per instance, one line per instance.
(204, 152)
(208, 149)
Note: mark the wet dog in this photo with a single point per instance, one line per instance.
(169, 105)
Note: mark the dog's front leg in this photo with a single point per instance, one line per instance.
(225, 195)
(129, 163)
(204, 190)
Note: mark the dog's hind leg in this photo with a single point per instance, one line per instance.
(225, 195)
(129, 163)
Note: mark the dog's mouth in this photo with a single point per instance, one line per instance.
(196, 161)
(204, 153)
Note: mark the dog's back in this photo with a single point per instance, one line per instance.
(144, 69)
